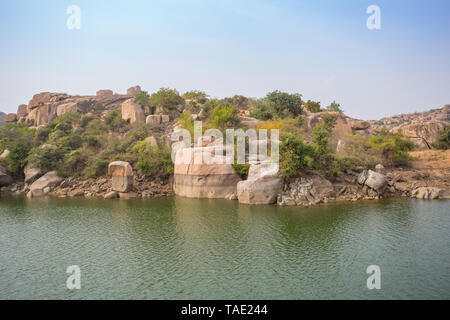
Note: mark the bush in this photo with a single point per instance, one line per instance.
(393, 147)
(167, 100)
(330, 121)
(242, 169)
(198, 96)
(223, 117)
(278, 104)
(312, 106)
(143, 99)
(335, 107)
(153, 160)
(444, 140)
(186, 122)
(295, 155)
(114, 121)
(47, 158)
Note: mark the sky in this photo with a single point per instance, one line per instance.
(321, 49)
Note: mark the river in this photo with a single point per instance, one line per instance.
(176, 248)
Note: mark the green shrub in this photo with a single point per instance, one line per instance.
(444, 140)
(143, 99)
(312, 106)
(198, 96)
(47, 158)
(241, 169)
(154, 160)
(295, 155)
(330, 120)
(393, 147)
(114, 121)
(278, 105)
(223, 117)
(167, 100)
(335, 107)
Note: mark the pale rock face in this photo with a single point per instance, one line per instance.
(374, 180)
(22, 111)
(42, 186)
(122, 176)
(153, 119)
(31, 173)
(422, 134)
(11, 117)
(152, 141)
(133, 91)
(380, 169)
(67, 107)
(132, 112)
(428, 193)
(111, 195)
(263, 190)
(263, 185)
(341, 146)
(5, 179)
(204, 180)
(165, 118)
(104, 93)
(4, 154)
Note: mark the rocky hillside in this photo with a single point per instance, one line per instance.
(422, 128)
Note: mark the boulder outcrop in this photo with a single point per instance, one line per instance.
(263, 185)
(373, 180)
(429, 193)
(423, 135)
(44, 184)
(31, 173)
(122, 176)
(132, 112)
(11, 117)
(202, 179)
(5, 179)
(133, 91)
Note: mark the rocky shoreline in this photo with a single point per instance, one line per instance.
(308, 190)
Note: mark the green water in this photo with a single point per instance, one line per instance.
(210, 249)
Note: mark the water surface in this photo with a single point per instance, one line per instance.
(177, 248)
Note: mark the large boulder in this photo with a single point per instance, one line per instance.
(263, 190)
(153, 119)
(104, 93)
(31, 173)
(5, 154)
(373, 180)
(122, 176)
(203, 179)
(132, 112)
(422, 133)
(44, 184)
(133, 91)
(5, 179)
(22, 111)
(263, 184)
(11, 117)
(428, 193)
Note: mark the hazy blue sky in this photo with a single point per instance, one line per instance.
(321, 49)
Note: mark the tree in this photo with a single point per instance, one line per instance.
(143, 99)
(335, 107)
(166, 100)
(18, 139)
(329, 120)
(444, 140)
(284, 104)
(312, 106)
(224, 116)
(199, 96)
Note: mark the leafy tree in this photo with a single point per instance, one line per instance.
(143, 99)
(18, 139)
(262, 110)
(394, 147)
(444, 140)
(335, 107)
(330, 120)
(295, 155)
(224, 116)
(199, 96)
(284, 104)
(166, 100)
(186, 122)
(312, 106)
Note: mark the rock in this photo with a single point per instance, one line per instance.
(22, 111)
(360, 125)
(341, 146)
(4, 154)
(429, 193)
(111, 195)
(49, 180)
(5, 179)
(152, 141)
(11, 117)
(104, 93)
(76, 193)
(374, 180)
(380, 169)
(153, 119)
(133, 91)
(128, 195)
(31, 173)
(263, 185)
(132, 112)
(201, 179)
(422, 133)
(286, 201)
(122, 176)
(259, 191)
(71, 107)
(165, 118)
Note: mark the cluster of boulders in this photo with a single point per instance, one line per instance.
(46, 106)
